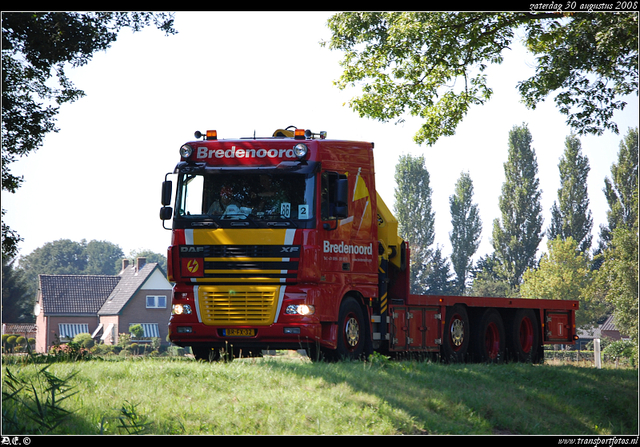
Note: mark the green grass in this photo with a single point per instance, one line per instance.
(288, 396)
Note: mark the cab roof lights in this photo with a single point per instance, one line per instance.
(210, 134)
(298, 134)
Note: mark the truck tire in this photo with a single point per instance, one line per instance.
(352, 331)
(523, 337)
(455, 337)
(489, 338)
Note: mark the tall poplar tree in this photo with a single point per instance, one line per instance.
(467, 229)
(416, 219)
(621, 188)
(570, 215)
(516, 239)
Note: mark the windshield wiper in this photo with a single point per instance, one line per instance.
(285, 223)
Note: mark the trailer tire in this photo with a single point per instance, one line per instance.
(524, 337)
(489, 338)
(455, 337)
(352, 331)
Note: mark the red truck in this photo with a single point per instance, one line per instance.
(283, 243)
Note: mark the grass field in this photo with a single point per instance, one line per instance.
(289, 395)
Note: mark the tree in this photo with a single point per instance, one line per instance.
(621, 188)
(564, 274)
(17, 302)
(148, 254)
(416, 220)
(467, 229)
(36, 50)
(570, 215)
(438, 279)
(102, 258)
(516, 240)
(67, 257)
(489, 279)
(617, 277)
(431, 65)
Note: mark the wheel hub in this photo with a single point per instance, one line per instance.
(352, 332)
(457, 332)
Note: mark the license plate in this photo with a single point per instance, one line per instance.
(239, 332)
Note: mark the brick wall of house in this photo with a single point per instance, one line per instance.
(50, 333)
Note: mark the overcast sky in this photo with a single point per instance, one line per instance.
(245, 72)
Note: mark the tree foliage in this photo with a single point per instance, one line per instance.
(17, 303)
(467, 230)
(37, 49)
(564, 274)
(617, 280)
(617, 276)
(621, 189)
(517, 236)
(570, 214)
(416, 219)
(432, 64)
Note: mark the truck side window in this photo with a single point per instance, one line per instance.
(334, 203)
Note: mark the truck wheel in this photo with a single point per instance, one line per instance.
(455, 339)
(351, 331)
(489, 338)
(523, 336)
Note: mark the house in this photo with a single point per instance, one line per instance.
(102, 305)
(605, 330)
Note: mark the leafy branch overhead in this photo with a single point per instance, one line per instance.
(37, 48)
(432, 65)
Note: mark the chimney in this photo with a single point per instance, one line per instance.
(125, 264)
(140, 263)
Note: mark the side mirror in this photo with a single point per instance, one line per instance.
(167, 187)
(166, 212)
(342, 198)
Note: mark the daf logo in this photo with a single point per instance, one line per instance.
(191, 249)
(289, 249)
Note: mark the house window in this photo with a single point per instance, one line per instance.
(150, 329)
(156, 301)
(70, 330)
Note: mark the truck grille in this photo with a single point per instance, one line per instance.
(241, 264)
(250, 305)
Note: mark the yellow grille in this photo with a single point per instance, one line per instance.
(241, 305)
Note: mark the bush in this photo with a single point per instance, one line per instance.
(620, 349)
(84, 340)
(69, 351)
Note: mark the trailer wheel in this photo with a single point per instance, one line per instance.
(489, 338)
(524, 336)
(455, 337)
(351, 331)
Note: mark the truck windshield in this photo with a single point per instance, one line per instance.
(234, 196)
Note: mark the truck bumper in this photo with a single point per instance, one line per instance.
(275, 336)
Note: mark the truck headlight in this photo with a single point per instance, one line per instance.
(300, 150)
(300, 309)
(181, 309)
(186, 151)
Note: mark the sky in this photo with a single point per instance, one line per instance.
(240, 73)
